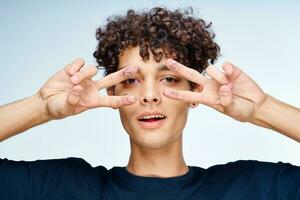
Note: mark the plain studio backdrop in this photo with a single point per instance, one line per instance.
(38, 38)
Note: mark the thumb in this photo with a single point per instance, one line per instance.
(74, 95)
(225, 95)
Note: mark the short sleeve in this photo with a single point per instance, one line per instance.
(288, 181)
(276, 180)
(44, 179)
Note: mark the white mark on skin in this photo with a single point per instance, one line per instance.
(172, 64)
(127, 72)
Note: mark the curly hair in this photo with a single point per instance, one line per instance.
(177, 35)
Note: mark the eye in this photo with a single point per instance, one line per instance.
(170, 79)
(130, 81)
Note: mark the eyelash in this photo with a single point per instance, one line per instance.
(174, 80)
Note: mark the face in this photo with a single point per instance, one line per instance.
(154, 120)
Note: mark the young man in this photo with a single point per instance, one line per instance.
(153, 93)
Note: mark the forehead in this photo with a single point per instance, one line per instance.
(131, 57)
(130, 54)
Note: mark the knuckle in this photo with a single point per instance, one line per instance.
(110, 80)
(116, 103)
(192, 75)
(79, 60)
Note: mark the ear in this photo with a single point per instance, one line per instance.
(193, 105)
(196, 87)
(110, 91)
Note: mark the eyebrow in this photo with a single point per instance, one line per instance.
(160, 68)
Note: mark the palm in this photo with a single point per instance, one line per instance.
(72, 90)
(231, 92)
(247, 96)
(55, 93)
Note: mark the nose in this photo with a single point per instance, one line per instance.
(150, 93)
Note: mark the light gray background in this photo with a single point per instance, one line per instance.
(38, 38)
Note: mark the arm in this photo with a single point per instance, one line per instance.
(280, 117)
(235, 94)
(22, 115)
(68, 92)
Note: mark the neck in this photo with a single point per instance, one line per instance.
(164, 162)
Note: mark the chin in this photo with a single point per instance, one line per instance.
(153, 140)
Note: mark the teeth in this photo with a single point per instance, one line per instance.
(153, 116)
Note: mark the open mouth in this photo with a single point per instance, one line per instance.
(152, 121)
(152, 118)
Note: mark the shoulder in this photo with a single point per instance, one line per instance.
(260, 172)
(266, 179)
(253, 166)
(48, 177)
(71, 165)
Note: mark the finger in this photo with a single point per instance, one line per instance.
(116, 77)
(231, 71)
(186, 72)
(116, 101)
(74, 95)
(216, 74)
(189, 96)
(225, 95)
(75, 66)
(227, 67)
(83, 74)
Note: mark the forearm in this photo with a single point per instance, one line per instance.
(279, 116)
(21, 115)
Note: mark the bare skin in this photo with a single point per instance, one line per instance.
(235, 94)
(72, 91)
(68, 92)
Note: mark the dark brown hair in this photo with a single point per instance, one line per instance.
(175, 34)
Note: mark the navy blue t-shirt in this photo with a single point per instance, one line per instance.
(74, 178)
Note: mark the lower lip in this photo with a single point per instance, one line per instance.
(151, 125)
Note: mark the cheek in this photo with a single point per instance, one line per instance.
(120, 91)
(175, 105)
(125, 112)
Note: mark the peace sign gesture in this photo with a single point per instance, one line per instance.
(72, 90)
(231, 92)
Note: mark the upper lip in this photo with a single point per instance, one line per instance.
(146, 113)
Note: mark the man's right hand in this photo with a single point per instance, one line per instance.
(68, 92)
(72, 90)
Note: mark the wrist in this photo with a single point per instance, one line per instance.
(279, 116)
(263, 111)
(41, 108)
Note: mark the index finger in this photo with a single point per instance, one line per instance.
(74, 67)
(190, 96)
(186, 72)
(116, 77)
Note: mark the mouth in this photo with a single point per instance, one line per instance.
(151, 118)
(151, 121)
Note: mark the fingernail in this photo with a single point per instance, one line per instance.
(130, 99)
(129, 71)
(225, 92)
(172, 64)
(167, 92)
(74, 79)
(72, 71)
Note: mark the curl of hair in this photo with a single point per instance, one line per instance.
(177, 35)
